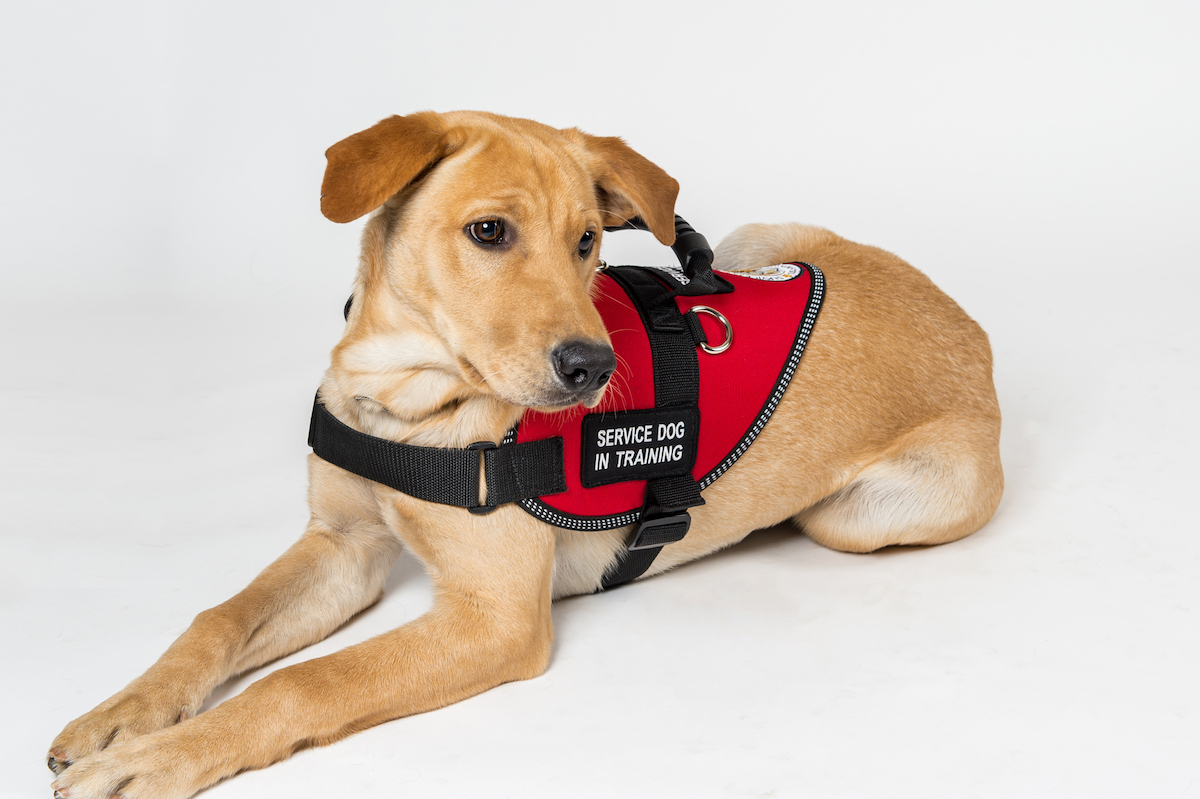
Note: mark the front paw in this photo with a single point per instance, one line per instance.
(126, 716)
(154, 766)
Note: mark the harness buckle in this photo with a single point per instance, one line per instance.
(477, 509)
(659, 531)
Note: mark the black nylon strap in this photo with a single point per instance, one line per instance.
(526, 470)
(676, 383)
(676, 366)
(703, 279)
(675, 493)
(632, 565)
(692, 320)
(443, 475)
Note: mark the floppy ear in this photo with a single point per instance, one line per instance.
(629, 185)
(364, 170)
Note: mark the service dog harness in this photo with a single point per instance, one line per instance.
(695, 384)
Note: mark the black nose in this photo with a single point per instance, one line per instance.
(584, 365)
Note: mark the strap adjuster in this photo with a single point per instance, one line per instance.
(659, 531)
(478, 509)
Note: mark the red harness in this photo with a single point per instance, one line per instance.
(770, 314)
(673, 419)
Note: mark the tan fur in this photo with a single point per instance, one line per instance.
(446, 344)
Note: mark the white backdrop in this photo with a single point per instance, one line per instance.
(170, 292)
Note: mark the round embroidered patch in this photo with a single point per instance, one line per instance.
(776, 273)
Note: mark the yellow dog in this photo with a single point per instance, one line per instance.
(477, 265)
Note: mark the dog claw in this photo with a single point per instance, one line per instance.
(56, 765)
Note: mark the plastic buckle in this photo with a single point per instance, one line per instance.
(660, 531)
(480, 510)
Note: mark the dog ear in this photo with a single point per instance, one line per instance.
(629, 185)
(364, 170)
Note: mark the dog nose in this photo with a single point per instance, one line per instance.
(584, 365)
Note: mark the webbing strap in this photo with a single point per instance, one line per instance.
(673, 345)
(443, 475)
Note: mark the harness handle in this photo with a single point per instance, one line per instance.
(694, 254)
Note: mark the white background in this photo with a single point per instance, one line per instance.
(170, 292)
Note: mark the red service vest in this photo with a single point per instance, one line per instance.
(771, 313)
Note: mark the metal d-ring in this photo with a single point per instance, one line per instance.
(714, 313)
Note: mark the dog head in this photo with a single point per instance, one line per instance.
(486, 242)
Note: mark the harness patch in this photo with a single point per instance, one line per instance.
(638, 445)
(776, 274)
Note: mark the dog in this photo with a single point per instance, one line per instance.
(479, 264)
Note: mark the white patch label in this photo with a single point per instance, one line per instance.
(777, 273)
(675, 272)
(638, 445)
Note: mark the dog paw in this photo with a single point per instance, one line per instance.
(124, 717)
(57, 761)
(150, 767)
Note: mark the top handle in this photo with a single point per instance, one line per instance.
(694, 254)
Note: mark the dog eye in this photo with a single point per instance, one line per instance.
(586, 242)
(489, 232)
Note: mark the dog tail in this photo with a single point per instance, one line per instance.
(752, 246)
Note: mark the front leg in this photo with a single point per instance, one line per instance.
(322, 580)
(490, 624)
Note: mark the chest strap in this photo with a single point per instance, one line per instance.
(435, 474)
(673, 342)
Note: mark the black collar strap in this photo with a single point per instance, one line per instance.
(447, 476)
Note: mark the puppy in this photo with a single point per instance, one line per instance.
(475, 301)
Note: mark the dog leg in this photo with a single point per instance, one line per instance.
(322, 580)
(940, 482)
(490, 624)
